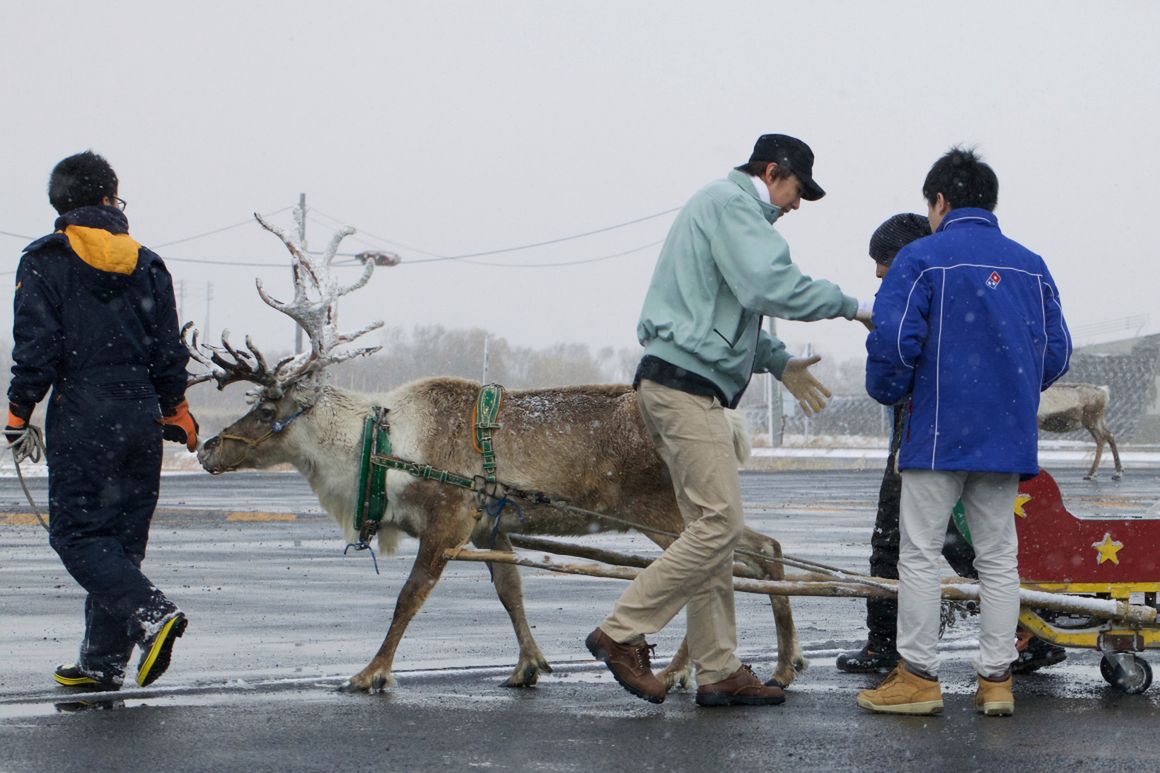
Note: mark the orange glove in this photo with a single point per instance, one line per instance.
(17, 422)
(180, 426)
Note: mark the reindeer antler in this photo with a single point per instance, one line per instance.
(247, 365)
(314, 308)
(315, 305)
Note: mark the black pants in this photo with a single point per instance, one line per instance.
(882, 614)
(104, 468)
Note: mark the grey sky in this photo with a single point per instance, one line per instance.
(466, 127)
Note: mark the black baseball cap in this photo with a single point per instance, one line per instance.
(790, 152)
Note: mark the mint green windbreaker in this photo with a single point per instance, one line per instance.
(722, 268)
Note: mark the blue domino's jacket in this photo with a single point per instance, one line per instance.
(969, 323)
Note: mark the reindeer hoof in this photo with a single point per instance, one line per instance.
(1117, 475)
(363, 682)
(678, 678)
(784, 676)
(1089, 477)
(527, 672)
(523, 677)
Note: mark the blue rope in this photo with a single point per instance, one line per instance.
(278, 426)
(496, 510)
(360, 545)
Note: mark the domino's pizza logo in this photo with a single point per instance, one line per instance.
(994, 279)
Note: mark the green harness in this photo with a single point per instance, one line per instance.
(377, 458)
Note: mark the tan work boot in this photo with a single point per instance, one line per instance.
(629, 663)
(994, 697)
(741, 688)
(902, 692)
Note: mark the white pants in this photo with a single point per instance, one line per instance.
(928, 496)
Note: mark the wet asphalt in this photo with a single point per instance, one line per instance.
(279, 617)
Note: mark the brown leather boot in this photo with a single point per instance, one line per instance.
(741, 688)
(629, 663)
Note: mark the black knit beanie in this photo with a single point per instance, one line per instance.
(897, 232)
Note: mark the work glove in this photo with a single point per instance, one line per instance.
(810, 393)
(17, 426)
(864, 314)
(180, 426)
(25, 440)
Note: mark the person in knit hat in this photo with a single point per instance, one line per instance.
(879, 653)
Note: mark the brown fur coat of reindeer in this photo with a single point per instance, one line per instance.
(586, 445)
(1068, 407)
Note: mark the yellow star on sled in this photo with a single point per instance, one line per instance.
(1020, 500)
(1107, 549)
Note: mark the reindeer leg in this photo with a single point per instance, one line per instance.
(790, 660)
(1106, 435)
(679, 670)
(425, 572)
(506, 579)
(1092, 473)
(1119, 473)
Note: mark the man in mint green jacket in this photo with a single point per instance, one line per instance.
(722, 269)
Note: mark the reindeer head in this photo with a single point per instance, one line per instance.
(289, 389)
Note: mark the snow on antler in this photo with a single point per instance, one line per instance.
(315, 309)
(315, 305)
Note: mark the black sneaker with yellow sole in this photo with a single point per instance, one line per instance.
(157, 649)
(75, 678)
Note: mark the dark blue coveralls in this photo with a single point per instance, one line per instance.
(95, 320)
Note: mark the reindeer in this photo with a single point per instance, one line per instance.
(1067, 407)
(585, 445)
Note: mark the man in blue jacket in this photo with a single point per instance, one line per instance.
(95, 320)
(722, 268)
(969, 323)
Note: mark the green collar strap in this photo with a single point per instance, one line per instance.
(487, 405)
(372, 478)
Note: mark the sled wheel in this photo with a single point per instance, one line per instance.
(1131, 674)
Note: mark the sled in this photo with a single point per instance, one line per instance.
(1106, 558)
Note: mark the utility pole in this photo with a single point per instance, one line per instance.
(805, 417)
(301, 246)
(773, 398)
(483, 378)
(208, 301)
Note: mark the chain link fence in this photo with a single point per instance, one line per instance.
(1131, 413)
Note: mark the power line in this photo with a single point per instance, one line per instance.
(552, 265)
(240, 262)
(436, 257)
(249, 221)
(432, 256)
(383, 239)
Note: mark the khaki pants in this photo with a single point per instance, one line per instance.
(695, 440)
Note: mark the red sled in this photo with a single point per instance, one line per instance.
(1111, 558)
